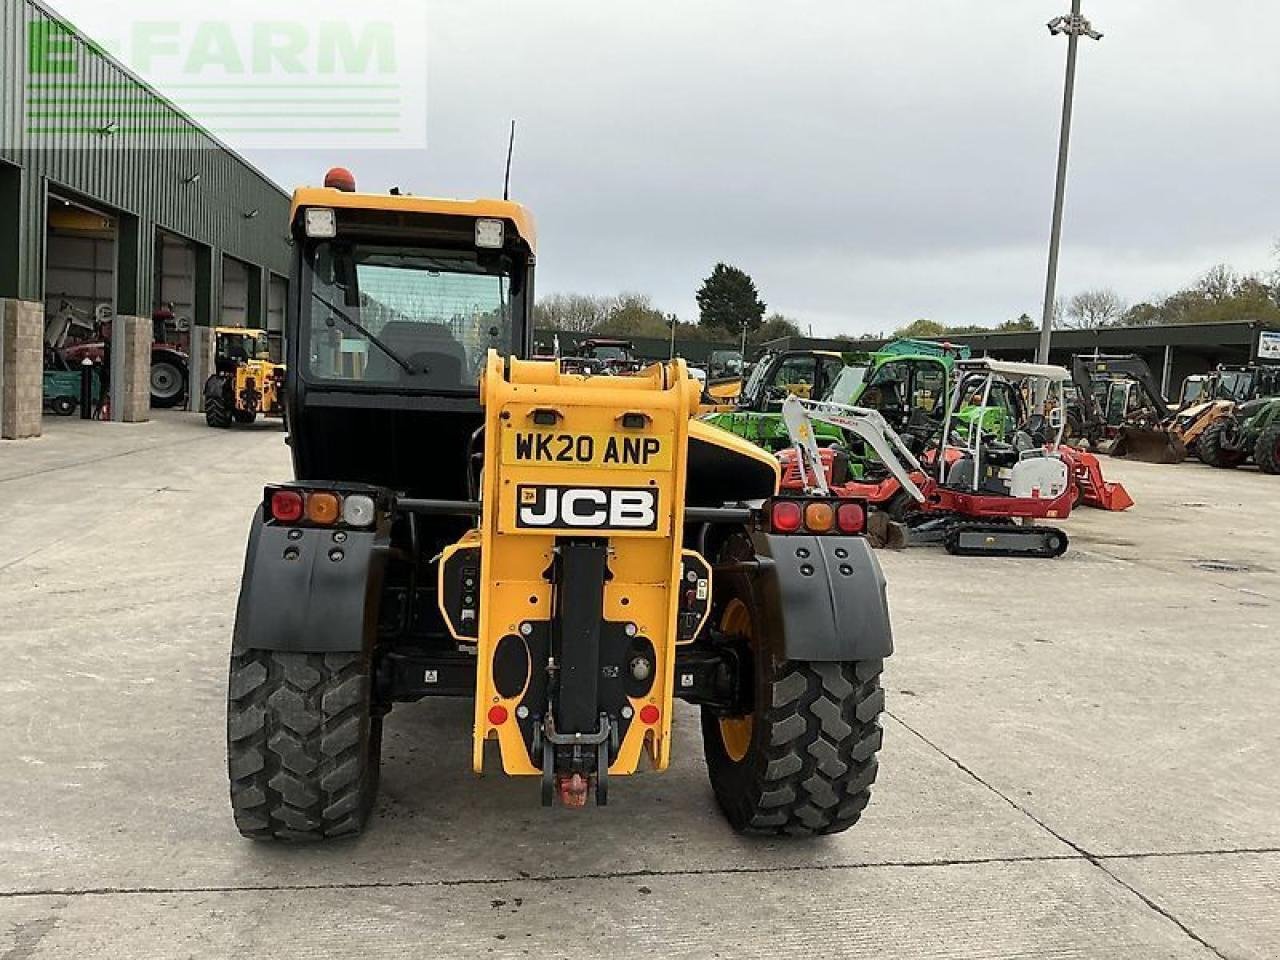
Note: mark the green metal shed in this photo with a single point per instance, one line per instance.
(68, 132)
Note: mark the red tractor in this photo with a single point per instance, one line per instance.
(170, 366)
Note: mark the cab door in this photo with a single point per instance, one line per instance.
(828, 372)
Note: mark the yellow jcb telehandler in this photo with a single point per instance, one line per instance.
(245, 382)
(572, 553)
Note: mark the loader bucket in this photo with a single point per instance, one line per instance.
(1095, 490)
(1149, 446)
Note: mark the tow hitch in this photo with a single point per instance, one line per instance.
(570, 760)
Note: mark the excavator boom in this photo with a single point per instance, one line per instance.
(799, 416)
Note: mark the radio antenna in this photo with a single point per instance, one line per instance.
(511, 146)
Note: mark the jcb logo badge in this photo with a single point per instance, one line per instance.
(586, 508)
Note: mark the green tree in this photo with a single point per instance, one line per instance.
(1220, 296)
(728, 299)
(775, 327)
(921, 328)
(1023, 324)
(1140, 315)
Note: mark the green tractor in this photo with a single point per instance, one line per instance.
(1251, 432)
(757, 415)
(906, 380)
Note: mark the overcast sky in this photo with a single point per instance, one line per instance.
(868, 162)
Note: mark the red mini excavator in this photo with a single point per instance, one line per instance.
(973, 493)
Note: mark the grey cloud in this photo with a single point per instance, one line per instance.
(867, 162)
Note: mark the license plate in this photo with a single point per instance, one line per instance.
(524, 447)
(562, 507)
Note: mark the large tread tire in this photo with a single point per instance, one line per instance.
(812, 759)
(1266, 451)
(815, 732)
(216, 413)
(244, 416)
(1211, 447)
(303, 744)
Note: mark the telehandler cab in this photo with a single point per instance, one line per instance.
(571, 552)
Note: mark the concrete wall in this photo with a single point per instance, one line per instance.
(21, 368)
(202, 343)
(130, 369)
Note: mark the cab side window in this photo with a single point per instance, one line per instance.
(1006, 398)
(795, 375)
(889, 386)
(928, 387)
(830, 369)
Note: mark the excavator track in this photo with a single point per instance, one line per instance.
(976, 539)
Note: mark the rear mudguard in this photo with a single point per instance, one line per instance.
(323, 600)
(822, 598)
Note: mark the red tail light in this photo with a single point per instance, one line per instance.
(817, 515)
(785, 516)
(851, 518)
(497, 715)
(286, 506)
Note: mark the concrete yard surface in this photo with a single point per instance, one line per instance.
(1080, 760)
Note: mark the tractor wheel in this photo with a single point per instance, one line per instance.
(217, 413)
(64, 406)
(1266, 452)
(303, 744)
(803, 761)
(244, 416)
(1216, 442)
(168, 383)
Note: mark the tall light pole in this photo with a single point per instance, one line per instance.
(1075, 26)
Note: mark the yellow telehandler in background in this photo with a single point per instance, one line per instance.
(245, 381)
